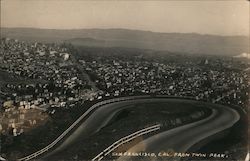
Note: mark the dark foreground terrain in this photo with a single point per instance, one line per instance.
(132, 118)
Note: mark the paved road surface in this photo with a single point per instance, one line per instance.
(182, 138)
(179, 138)
(99, 119)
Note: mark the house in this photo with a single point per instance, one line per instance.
(8, 104)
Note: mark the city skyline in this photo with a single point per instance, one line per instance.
(208, 17)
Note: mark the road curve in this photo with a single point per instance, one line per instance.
(182, 138)
(101, 116)
(97, 120)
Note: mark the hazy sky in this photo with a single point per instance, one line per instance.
(207, 17)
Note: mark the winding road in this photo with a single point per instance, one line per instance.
(99, 119)
(182, 138)
(179, 139)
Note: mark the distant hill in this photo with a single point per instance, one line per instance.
(173, 42)
(86, 41)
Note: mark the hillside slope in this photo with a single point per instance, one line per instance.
(173, 42)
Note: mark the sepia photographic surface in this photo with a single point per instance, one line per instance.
(124, 80)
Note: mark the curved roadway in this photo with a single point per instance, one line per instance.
(180, 138)
(99, 119)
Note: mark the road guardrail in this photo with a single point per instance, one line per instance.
(124, 140)
(60, 137)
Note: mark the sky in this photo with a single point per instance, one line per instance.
(225, 17)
